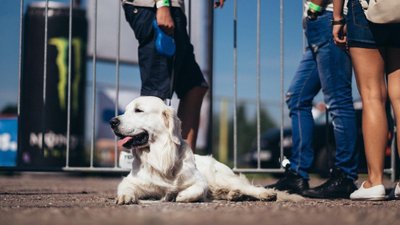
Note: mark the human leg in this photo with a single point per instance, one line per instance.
(393, 74)
(189, 82)
(336, 86)
(304, 86)
(189, 112)
(369, 70)
(334, 69)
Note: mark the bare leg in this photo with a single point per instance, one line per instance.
(189, 113)
(393, 71)
(369, 69)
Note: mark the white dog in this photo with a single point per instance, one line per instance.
(165, 167)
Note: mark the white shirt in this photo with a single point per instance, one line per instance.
(152, 3)
(328, 7)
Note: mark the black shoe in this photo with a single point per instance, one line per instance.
(337, 186)
(291, 182)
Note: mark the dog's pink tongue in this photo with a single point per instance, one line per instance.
(123, 141)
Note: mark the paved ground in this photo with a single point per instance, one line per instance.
(64, 199)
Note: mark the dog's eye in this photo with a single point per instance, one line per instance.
(138, 110)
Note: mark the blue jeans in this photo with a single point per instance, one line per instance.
(327, 67)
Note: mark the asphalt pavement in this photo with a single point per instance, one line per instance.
(60, 198)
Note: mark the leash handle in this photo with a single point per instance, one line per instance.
(165, 44)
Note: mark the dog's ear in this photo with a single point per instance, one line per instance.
(173, 124)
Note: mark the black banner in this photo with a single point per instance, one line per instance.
(50, 116)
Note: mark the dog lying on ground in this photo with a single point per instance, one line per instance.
(165, 167)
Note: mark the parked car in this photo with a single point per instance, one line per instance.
(323, 144)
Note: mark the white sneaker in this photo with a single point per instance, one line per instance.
(375, 193)
(397, 191)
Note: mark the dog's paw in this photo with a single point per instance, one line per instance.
(195, 193)
(268, 195)
(286, 197)
(126, 200)
(185, 197)
(235, 195)
(260, 195)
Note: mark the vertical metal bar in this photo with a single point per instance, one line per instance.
(328, 148)
(69, 85)
(393, 147)
(209, 66)
(282, 74)
(258, 79)
(117, 81)
(235, 84)
(190, 18)
(21, 25)
(393, 155)
(304, 36)
(46, 17)
(94, 85)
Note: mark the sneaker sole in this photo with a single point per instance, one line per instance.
(370, 199)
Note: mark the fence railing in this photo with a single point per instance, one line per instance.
(115, 167)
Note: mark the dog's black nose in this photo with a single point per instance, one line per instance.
(114, 122)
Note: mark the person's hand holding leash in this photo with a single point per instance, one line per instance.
(164, 19)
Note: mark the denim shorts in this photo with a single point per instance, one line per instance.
(155, 69)
(364, 34)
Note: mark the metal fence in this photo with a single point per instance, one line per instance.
(258, 96)
(115, 167)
